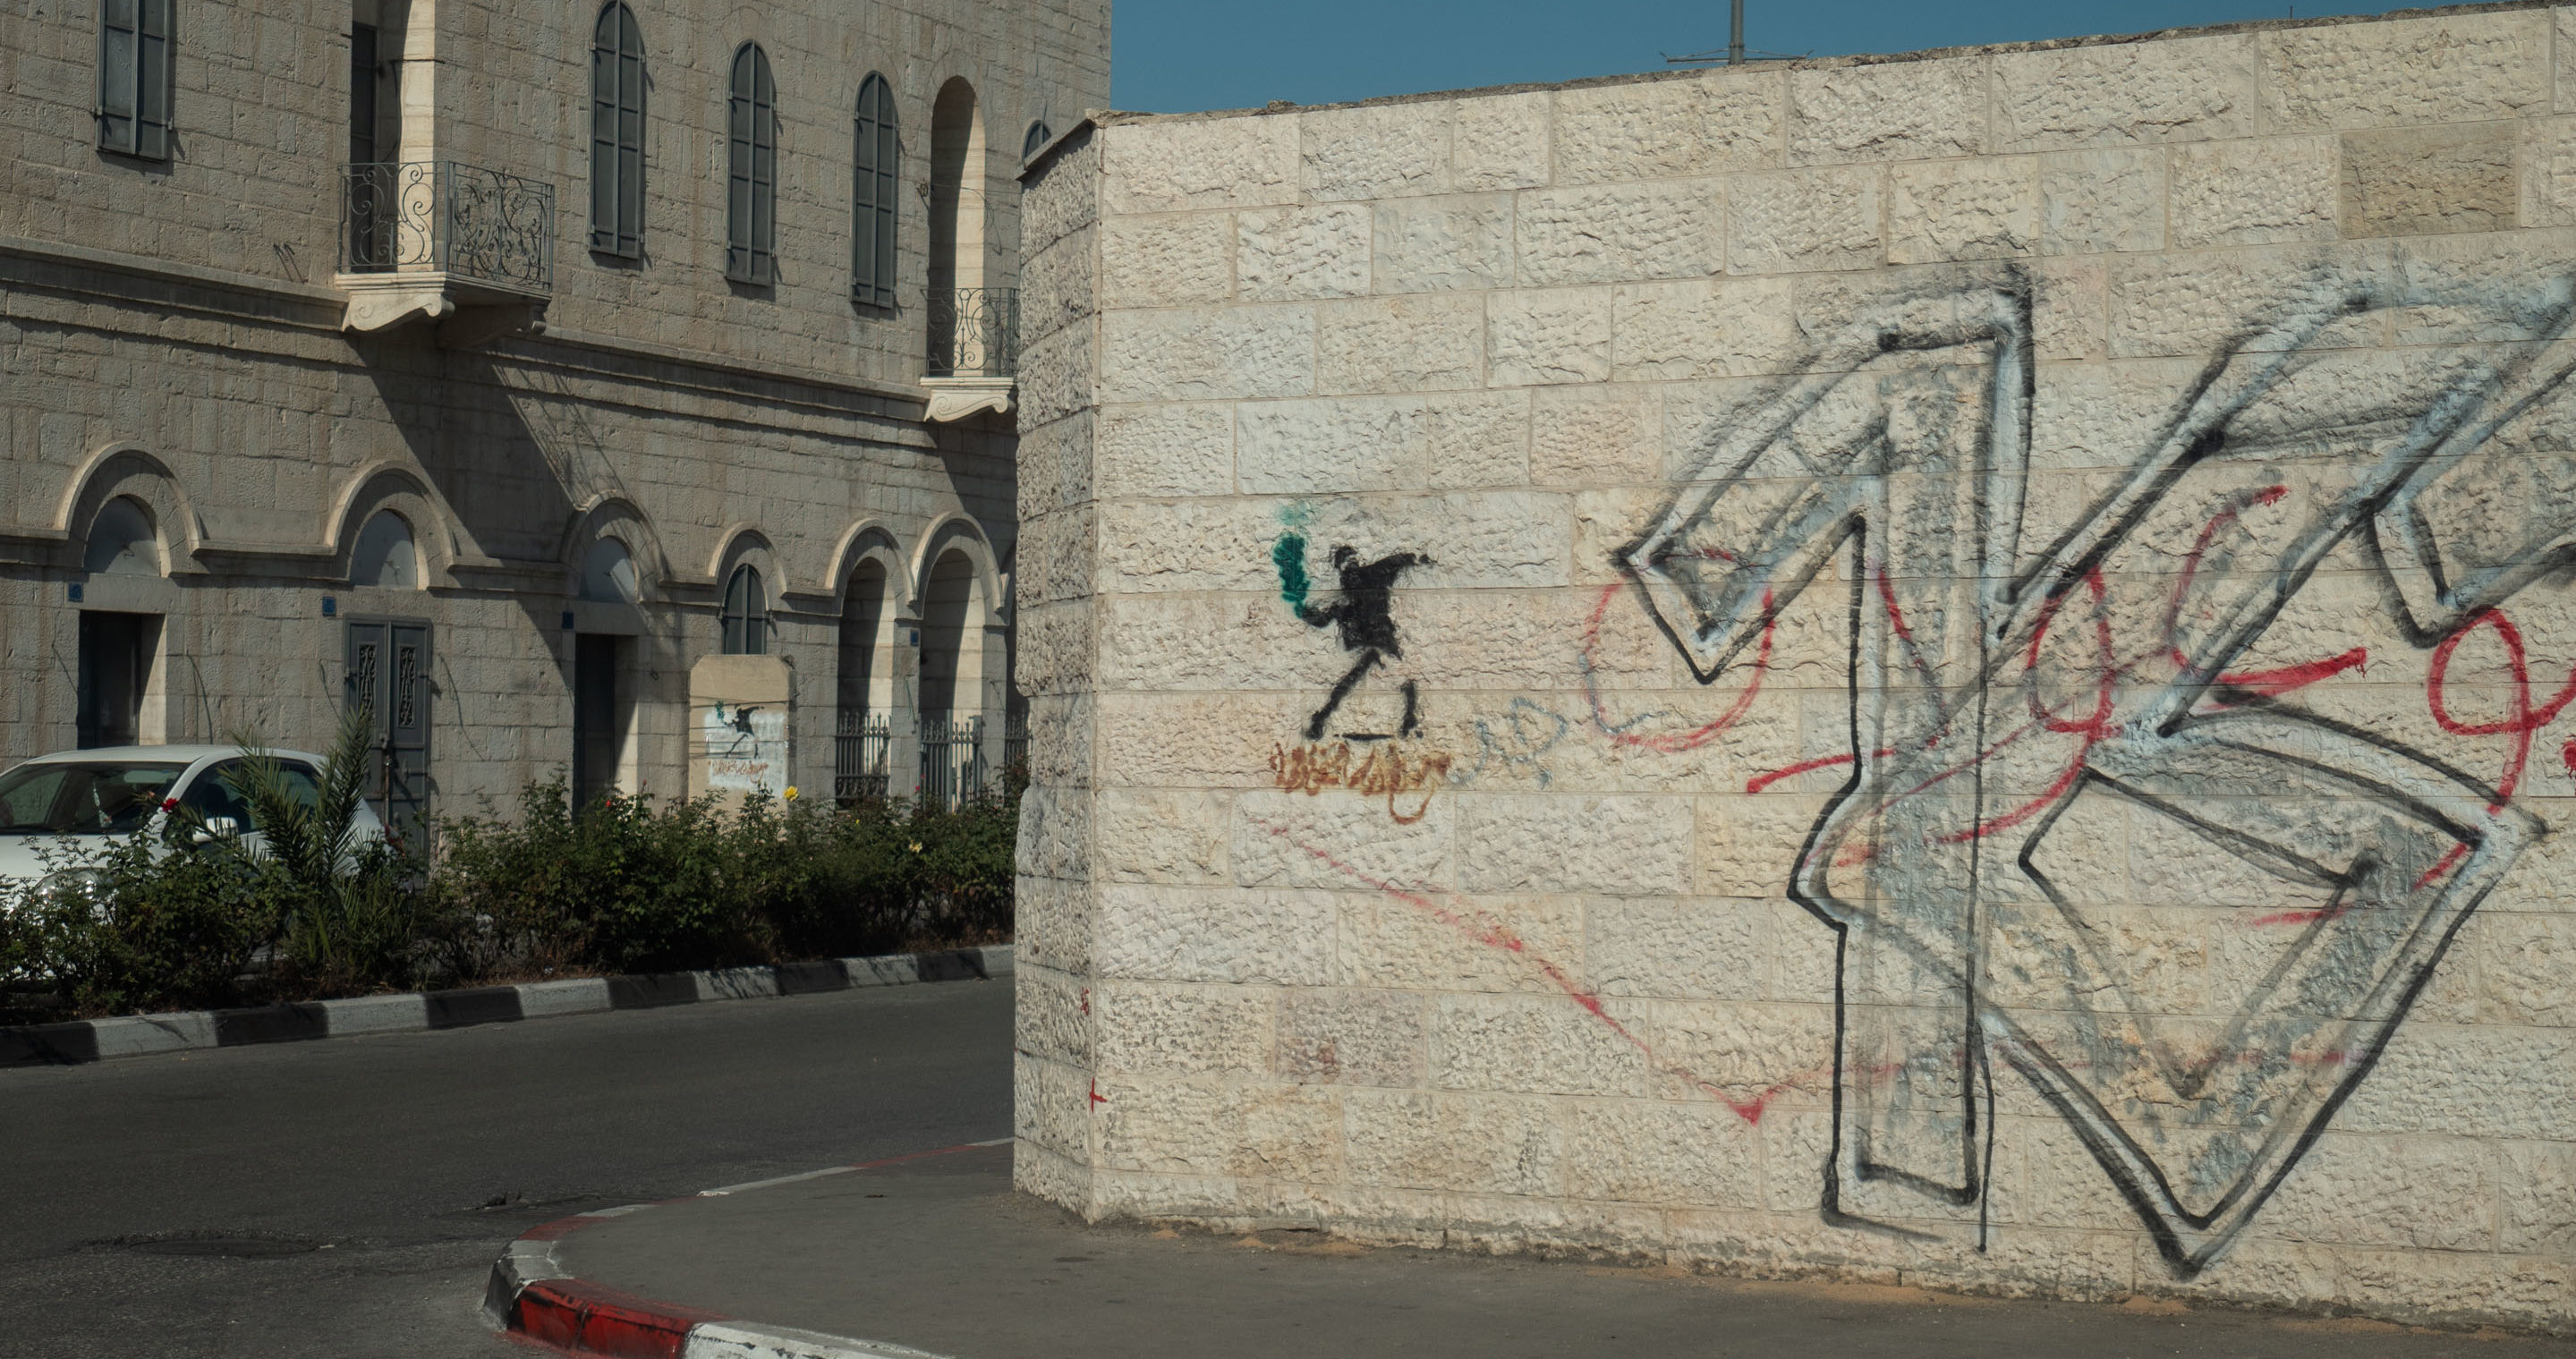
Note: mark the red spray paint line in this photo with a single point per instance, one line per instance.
(1497, 937)
(2522, 722)
(1672, 743)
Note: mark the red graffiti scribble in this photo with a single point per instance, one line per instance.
(1761, 781)
(2266, 682)
(2522, 723)
(1096, 1096)
(1496, 936)
(1672, 743)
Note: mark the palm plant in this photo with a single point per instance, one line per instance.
(346, 908)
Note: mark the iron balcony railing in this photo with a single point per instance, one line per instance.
(952, 760)
(447, 216)
(861, 748)
(975, 332)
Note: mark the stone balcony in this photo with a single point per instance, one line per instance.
(974, 351)
(467, 248)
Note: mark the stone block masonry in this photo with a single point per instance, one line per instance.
(1949, 668)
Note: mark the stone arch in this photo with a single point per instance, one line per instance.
(952, 530)
(617, 518)
(387, 485)
(129, 471)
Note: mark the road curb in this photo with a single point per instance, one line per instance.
(93, 1040)
(531, 1295)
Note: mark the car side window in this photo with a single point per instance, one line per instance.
(210, 797)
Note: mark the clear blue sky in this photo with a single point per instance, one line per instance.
(1173, 56)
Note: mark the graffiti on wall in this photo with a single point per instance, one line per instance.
(2031, 683)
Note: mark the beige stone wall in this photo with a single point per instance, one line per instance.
(172, 332)
(1989, 669)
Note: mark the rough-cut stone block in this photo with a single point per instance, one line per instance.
(1165, 450)
(1288, 254)
(1338, 840)
(1353, 1038)
(1167, 165)
(1902, 110)
(1624, 846)
(1808, 219)
(1538, 1045)
(1383, 443)
(1590, 436)
(1499, 142)
(1381, 152)
(1660, 129)
(1618, 233)
(2450, 68)
(2119, 94)
(1543, 337)
(2427, 181)
(1191, 1030)
(1685, 949)
(1166, 261)
(2254, 192)
(1962, 210)
(1441, 244)
(1496, 1144)
(2093, 202)
(1641, 1151)
(1178, 934)
(1207, 353)
(1165, 837)
(1400, 344)
(1200, 1126)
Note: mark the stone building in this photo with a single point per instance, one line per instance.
(622, 390)
(1949, 668)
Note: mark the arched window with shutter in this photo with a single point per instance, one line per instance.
(876, 170)
(617, 133)
(1039, 135)
(751, 178)
(746, 614)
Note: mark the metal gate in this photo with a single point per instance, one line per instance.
(389, 675)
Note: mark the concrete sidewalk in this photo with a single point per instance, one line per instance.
(936, 1253)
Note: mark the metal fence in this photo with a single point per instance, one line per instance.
(1015, 746)
(952, 760)
(861, 748)
(445, 215)
(975, 332)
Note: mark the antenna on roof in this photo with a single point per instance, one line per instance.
(1734, 55)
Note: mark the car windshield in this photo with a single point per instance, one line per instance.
(83, 797)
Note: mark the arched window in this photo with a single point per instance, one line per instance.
(751, 178)
(608, 574)
(876, 166)
(385, 557)
(121, 541)
(1039, 135)
(746, 614)
(617, 133)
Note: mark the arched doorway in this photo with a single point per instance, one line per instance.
(863, 728)
(953, 613)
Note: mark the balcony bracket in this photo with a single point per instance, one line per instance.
(467, 313)
(955, 398)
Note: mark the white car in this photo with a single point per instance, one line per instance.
(89, 795)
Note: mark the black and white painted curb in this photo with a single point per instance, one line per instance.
(530, 1294)
(92, 1040)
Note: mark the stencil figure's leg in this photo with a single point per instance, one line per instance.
(1412, 719)
(1315, 725)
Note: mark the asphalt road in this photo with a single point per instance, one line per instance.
(345, 1198)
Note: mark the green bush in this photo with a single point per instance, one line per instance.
(173, 918)
(158, 924)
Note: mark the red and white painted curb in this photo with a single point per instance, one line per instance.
(532, 1296)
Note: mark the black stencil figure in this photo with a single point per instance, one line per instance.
(1364, 611)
